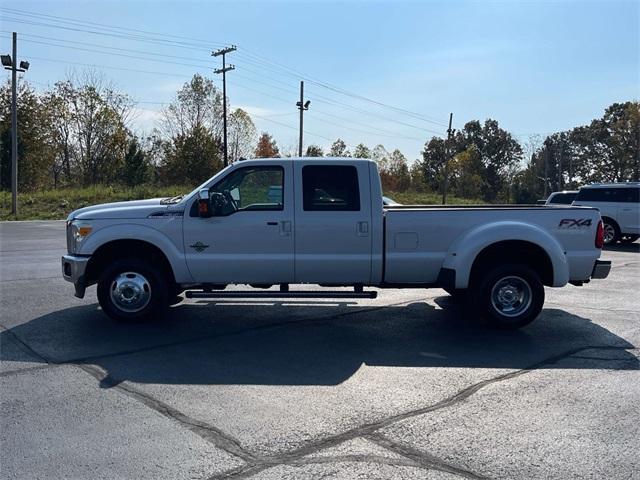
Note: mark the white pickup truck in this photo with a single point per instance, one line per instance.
(322, 221)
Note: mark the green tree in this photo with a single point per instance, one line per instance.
(398, 172)
(499, 153)
(361, 151)
(95, 136)
(434, 156)
(198, 105)
(608, 149)
(314, 151)
(135, 170)
(467, 172)
(191, 158)
(241, 137)
(35, 149)
(339, 149)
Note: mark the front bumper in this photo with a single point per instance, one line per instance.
(73, 270)
(601, 269)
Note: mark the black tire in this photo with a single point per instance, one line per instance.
(521, 287)
(139, 283)
(629, 238)
(611, 231)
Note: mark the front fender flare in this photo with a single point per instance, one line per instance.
(463, 252)
(133, 231)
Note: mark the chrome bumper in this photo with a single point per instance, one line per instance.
(601, 269)
(73, 270)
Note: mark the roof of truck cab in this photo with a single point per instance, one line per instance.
(313, 159)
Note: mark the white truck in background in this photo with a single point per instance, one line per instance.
(322, 221)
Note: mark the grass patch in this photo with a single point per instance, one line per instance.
(57, 204)
(430, 198)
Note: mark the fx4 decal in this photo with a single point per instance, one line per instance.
(574, 223)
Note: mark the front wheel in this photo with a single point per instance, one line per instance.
(132, 290)
(510, 296)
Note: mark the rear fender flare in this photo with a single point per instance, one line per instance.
(465, 249)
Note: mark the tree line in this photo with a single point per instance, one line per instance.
(78, 133)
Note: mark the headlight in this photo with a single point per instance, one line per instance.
(77, 231)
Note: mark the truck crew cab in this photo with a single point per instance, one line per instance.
(322, 221)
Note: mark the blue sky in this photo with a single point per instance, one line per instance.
(536, 67)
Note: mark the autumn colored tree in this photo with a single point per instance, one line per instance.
(267, 147)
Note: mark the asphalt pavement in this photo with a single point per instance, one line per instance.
(408, 385)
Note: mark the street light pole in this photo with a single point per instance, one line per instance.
(302, 106)
(14, 130)
(10, 63)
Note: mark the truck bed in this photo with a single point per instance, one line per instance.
(418, 238)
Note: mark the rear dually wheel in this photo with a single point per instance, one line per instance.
(510, 296)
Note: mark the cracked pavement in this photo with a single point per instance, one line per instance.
(404, 386)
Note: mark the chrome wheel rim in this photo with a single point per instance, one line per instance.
(609, 233)
(510, 296)
(130, 292)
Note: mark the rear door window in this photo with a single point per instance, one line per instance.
(632, 195)
(330, 188)
(601, 195)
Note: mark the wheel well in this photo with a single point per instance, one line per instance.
(514, 251)
(129, 248)
(611, 220)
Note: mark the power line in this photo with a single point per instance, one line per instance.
(202, 66)
(137, 57)
(346, 92)
(290, 127)
(195, 43)
(383, 133)
(144, 52)
(67, 20)
(108, 67)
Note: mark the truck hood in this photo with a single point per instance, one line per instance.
(120, 210)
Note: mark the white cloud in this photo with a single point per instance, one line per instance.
(143, 119)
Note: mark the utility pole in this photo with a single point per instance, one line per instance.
(546, 170)
(302, 106)
(223, 71)
(448, 152)
(10, 63)
(560, 166)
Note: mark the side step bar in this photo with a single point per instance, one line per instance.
(279, 294)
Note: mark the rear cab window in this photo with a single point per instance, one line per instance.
(562, 198)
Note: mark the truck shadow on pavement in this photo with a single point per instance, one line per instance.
(296, 343)
(623, 247)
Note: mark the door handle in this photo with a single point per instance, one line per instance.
(363, 229)
(273, 224)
